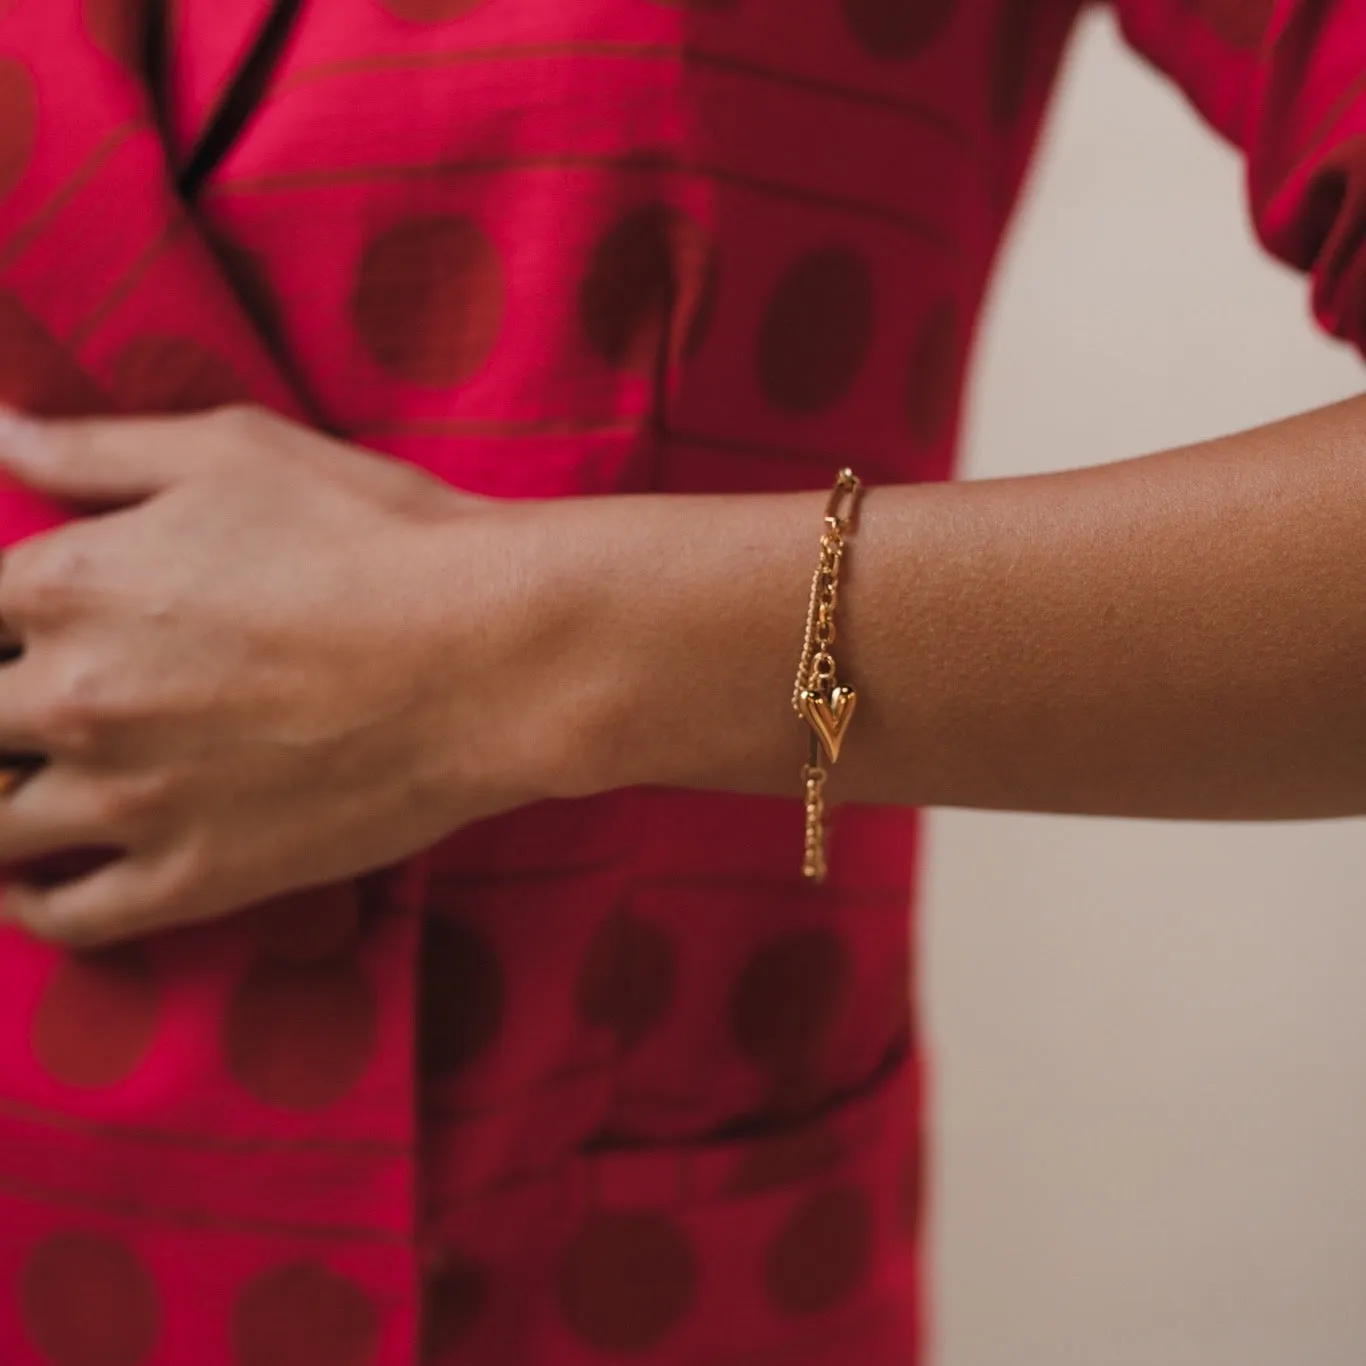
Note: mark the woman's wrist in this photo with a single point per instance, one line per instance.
(1174, 636)
(690, 612)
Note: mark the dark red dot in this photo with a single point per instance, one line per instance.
(304, 1315)
(784, 1160)
(428, 299)
(1241, 24)
(628, 978)
(97, 1017)
(88, 1300)
(650, 290)
(300, 1035)
(174, 375)
(626, 1281)
(37, 374)
(822, 1254)
(308, 926)
(932, 391)
(463, 996)
(429, 11)
(788, 997)
(817, 331)
(118, 28)
(455, 1300)
(18, 122)
(893, 29)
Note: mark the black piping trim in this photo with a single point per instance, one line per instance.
(241, 99)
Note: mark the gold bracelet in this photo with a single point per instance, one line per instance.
(819, 698)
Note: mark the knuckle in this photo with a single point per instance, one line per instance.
(182, 879)
(45, 577)
(65, 729)
(73, 716)
(114, 807)
(132, 803)
(242, 422)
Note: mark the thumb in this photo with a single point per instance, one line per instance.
(94, 460)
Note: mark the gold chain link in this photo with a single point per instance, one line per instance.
(817, 696)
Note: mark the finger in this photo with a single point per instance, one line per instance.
(96, 460)
(55, 808)
(31, 722)
(122, 898)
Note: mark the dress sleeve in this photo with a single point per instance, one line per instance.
(1286, 81)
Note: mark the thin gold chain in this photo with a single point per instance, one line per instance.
(817, 696)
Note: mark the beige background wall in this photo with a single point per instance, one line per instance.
(1151, 1129)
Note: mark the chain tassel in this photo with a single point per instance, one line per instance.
(818, 698)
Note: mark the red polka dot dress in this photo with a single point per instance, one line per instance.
(600, 1081)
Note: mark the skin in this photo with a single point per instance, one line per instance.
(274, 660)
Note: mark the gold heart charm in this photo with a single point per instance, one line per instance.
(829, 717)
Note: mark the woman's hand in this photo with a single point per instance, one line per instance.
(274, 660)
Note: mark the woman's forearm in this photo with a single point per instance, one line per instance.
(1180, 635)
(277, 660)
